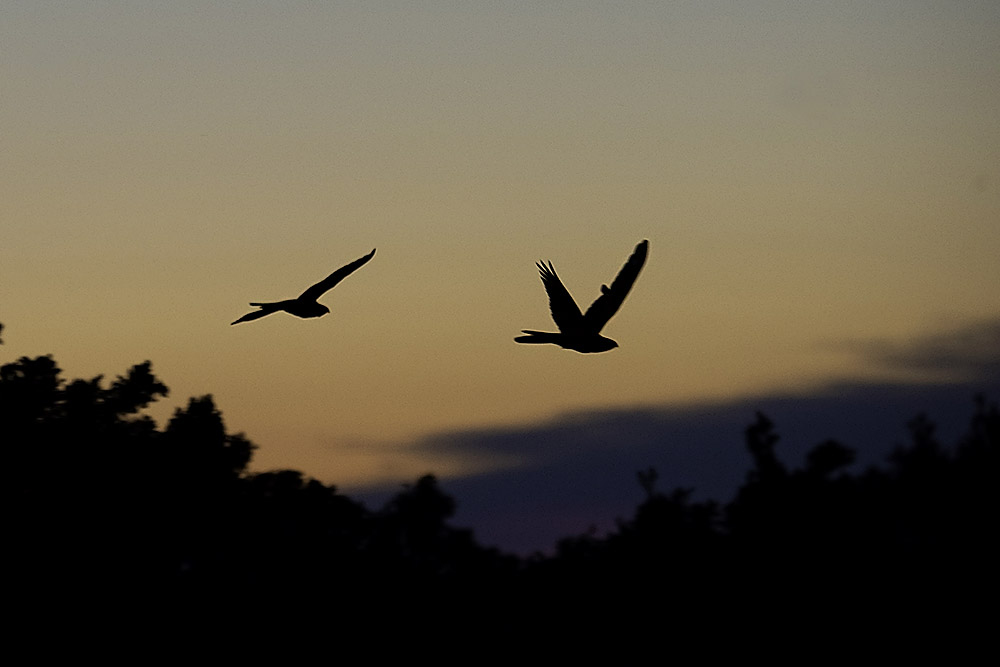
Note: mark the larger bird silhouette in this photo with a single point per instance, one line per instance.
(582, 331)
(306, 304)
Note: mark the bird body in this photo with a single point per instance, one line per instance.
(306, 304)
(582, 344)
(581, 331)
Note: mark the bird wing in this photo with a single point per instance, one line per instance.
(606, 305)
(317, 290)
(565, 313)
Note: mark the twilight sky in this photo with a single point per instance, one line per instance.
(816, 180)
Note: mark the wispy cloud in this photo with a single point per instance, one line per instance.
(965, 352)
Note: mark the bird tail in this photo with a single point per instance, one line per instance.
(537, 337)
(265, 309)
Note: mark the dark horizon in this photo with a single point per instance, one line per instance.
(152, 522)
(167, 525)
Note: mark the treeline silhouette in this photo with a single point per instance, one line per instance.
(101, 503)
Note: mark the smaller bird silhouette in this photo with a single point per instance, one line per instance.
(306, 304)
(579, 331)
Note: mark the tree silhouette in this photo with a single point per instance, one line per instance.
(102, 504)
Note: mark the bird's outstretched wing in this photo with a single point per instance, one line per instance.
(565, 313)
(612, 297)
(317, 290)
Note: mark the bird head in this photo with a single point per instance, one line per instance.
(603, 344)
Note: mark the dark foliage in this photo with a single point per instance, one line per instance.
(101, 504)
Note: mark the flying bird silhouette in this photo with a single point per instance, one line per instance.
(579, 331)
(306, 304)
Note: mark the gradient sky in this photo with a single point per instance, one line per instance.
(811, 177)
